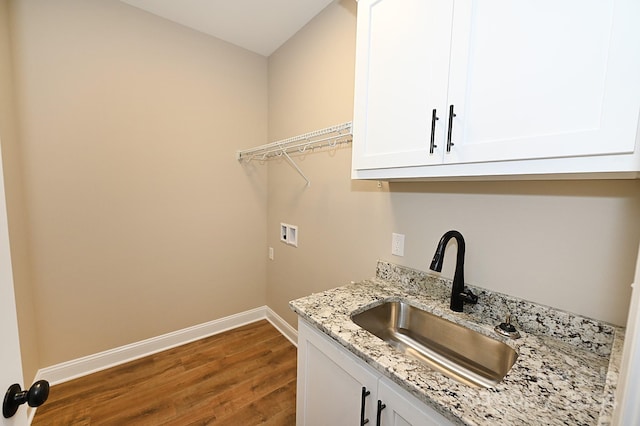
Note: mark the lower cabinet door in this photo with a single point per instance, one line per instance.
(333, 389)
(400, 409)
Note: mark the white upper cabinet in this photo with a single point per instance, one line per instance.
(402, 68)
(496, 87)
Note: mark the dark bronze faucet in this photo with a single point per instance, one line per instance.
(459, 295)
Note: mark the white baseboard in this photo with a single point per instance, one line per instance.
(73, 369)
(282, 326)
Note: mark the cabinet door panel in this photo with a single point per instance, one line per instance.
(542, 79)
(400, 410)
(333, 394)
(330, 383)
(401, 77)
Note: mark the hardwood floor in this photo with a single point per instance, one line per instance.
(246, 376)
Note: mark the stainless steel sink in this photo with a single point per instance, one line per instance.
(456, 351)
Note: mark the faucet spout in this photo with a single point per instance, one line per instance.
(458, 293)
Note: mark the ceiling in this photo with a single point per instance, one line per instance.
(257, 25)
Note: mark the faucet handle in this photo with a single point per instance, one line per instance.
(468, 296)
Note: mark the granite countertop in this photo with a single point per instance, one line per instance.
(567, 366)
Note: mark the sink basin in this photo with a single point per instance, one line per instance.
(456, 351)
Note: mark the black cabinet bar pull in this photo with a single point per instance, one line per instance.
(433, 132)
(451, 115)
(365, 394)
(381, 407)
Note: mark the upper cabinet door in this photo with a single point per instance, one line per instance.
(536, 87)
(543, 78)
(402, 66)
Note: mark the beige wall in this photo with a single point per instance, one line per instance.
(130, 217)
(16, 210)
(568, 244)
(141, 221)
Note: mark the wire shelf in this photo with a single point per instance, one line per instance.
(327, 137)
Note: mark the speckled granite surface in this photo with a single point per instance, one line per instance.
(565, 374)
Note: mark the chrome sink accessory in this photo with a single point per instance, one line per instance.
(459, 295)
(449, 348)
(507, 329)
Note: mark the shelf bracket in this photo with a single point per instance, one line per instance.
(295, 166)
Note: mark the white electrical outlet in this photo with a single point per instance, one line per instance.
(397, 244)
(270, 253)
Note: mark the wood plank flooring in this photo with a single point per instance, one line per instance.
(246, 376)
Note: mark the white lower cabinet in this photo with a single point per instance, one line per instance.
(331, 383)
(337, 388)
